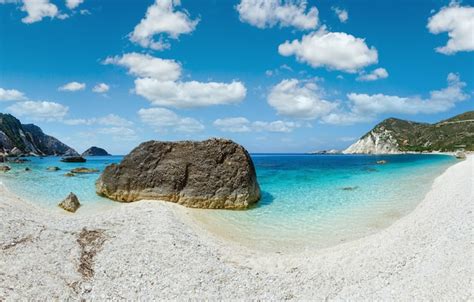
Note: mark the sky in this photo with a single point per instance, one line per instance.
(273, 75)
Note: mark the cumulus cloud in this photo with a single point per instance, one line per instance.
(376, 74)
(241, 124)
(72, 4)
(458, 22)
(161, 18)
(72, 86)
(159, 82)
(37, 10)
(364, 107)
(11, 95)
(101, 88)
(143, 66)
(39, 110)
(333, 50)
(268, 13)
(163, 120)
(299, 99)
(341, 14)
(189, 94)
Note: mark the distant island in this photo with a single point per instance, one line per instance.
(95, 151)
(394, 136)
(17, 139)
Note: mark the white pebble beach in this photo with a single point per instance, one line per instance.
(153, 250)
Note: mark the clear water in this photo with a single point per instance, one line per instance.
(304, 203)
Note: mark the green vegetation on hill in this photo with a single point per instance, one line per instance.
(448, 135)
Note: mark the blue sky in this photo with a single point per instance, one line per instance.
(275, 76)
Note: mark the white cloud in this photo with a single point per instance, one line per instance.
(334, 50)
(189, 94)
(72, 86)
(376, 74)
(161, 18)
(72, 4)
(11, 95)
(108, 120)
(458, 22)
(142, 65)
(241, 124)
(268, 13)
(342, 14)
(365, 107)
(119, 133)
(37, 10)
(39, 110)
(158, 81)
(162, 120)
(233, 124)
(101, 88)
(298, 99)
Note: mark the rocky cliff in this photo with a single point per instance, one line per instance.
(397, 136)
(18, 139)
(214, 174)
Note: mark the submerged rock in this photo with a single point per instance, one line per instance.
(83, 170)
(53, 169)
(95, 151)
(71, 203)
(381, 162)
(27, 169)
(69, 174)
(349, 188)
(4, 168)
(73, 159)
(214, 174)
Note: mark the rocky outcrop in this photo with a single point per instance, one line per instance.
(18, 139)
(399, 136)
(4, 168)
(71, 203)
(214, 174)
(73, 159)
(375, 143)
(95, 151)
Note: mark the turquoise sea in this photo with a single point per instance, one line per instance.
(308, 200)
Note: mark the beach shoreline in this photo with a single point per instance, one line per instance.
(153, 249)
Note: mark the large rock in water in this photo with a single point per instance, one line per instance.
(213, 174)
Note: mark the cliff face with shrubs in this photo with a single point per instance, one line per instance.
(397, 136)
(19, 139)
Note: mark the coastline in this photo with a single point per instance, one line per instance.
(150, 249)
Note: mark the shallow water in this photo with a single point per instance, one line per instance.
(308, 200)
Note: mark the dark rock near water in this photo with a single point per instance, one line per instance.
(95, 151)
(27, 169)
(73, 159)
(71, 203)
(215, 174)
(4, 168)
(17, 139)
(69, 174)
(53, 169)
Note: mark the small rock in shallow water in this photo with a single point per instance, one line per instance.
(381, 162)
(53, 169)
(350, 188)
(71, 203)
(4, 168)
(69, 174)
(84, 170)
(27, 169)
